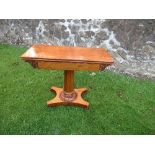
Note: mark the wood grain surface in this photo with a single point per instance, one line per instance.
(68, 54)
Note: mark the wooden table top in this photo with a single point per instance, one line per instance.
(68, 54)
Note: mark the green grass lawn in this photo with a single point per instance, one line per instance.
(119, 104)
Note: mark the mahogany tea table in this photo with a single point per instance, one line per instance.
(69, 59)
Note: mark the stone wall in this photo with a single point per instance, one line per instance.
(130, 42)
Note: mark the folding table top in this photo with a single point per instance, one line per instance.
(67, 54)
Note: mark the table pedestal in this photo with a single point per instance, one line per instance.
(68, 95)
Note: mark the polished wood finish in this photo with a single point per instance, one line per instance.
(68, 81)
(68, 66)
(68, 54)
(78, 101)
(69, 59)
(68, 93)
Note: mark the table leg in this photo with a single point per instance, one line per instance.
(68, 95)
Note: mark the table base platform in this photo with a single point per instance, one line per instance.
(65, 98)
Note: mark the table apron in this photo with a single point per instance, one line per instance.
(70, 66)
